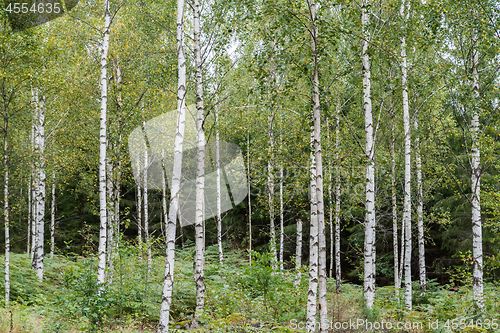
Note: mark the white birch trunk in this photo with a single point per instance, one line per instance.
(369, 260)
(338, 272)
(28, 245)
(139, 210)
(6, 213)
(330, 219)
(39, 149)
(477, 236)
(270, 182)
(110, 217)
(407, 187)
(52, 214)
(146, 208)
(102, 147)
(397, 281)
(312, 294)
(420, 213)
(323, 313)
(281, 218)
(198, 274)
(33, 204)
(249, 203)
(298, 254)
(217, 170)
(168, 279)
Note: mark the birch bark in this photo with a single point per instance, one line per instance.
(198, 274)
(249, 203)
(52, 214)
(217, 175)
(477, 236)
(298, 254)
(168, 279)
(338, 272)
(420, 213)
(102, 147)
(369, 260)
(6, 212)
(407, 193)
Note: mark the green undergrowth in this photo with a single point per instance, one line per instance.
(239, 298)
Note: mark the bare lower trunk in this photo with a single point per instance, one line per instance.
(168, 279)
(270, 182)
(103, 142)
(397, 281)
(298, 254)
(198, 274)
(477, 236)
(146, 209)
(139, 212)
(249, 203)
(52, 214)
(219, 208)
(110, 216)
(6, 212)
(28, 242)
(407, 187)
(420, 213)
(338, 271)
(281, 218)
(39, 196)
(369, 260)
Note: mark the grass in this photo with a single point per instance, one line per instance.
(238, 298)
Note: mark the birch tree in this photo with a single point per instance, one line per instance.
(103, 146)
(6, 212)
(168, 279)
(420, 211)
(298, 254)
(52, 213)
(218, 199)
(404, 12)
(198, 274)
(369, 255)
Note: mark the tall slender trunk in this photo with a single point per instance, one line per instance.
(397, 281)
(110, 217)
(338, 271)
(312, 294)
(139, 209)
(249, 203)
(168, 279)
(217, 170)
(6, 213)
(103, 142)
(281, 217)
(28, 242)
(270, 182)
(477, 236)
(407, 194)
(298, 254)
(33, 201)
(369, 260)
(198, 274)
(52, 214)
(146, 207)
(39, 149)
(420, 213)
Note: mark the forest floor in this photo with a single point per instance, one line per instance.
(238, 298)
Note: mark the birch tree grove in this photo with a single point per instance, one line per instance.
(103, 146)
(168, 279)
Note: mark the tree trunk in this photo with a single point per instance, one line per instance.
(146, 207)
(52, 214)
(369, 260)
(28, 245)
(420, 214)
(281, 218)
(198, 274)
(139, 210)
(6, 213)
(312, 294)
(338, 272)
(249, 203)
(477, 236)
(270, 182)
(39, 149)
(407, 194)
(323, 313)
(217, 170)
(397, 281)
(102, 147)
(298, 254)
(168, 279)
